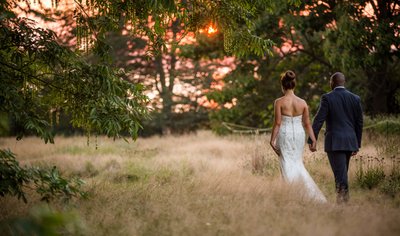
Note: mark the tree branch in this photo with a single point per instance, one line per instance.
(316, 57)
(30, 75)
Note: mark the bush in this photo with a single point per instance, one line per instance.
(375, 177)
(385, 125)
(370, 178)
(392, 184)
(47, 182)
(44, 221)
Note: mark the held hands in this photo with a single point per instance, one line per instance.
(313, 146)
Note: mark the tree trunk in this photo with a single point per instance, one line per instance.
(167, 88)
(166, 97)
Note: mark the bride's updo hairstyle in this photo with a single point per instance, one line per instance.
(288, 80)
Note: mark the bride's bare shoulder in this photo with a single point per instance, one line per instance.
(302, 101)
(278, 100)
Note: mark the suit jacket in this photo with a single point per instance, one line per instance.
(342, 112)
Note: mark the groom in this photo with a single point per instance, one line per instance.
(341, 110)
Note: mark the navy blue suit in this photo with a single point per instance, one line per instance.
(342, 112)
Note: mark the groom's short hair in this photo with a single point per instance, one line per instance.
(338, 78)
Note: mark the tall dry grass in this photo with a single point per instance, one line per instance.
(201, 184)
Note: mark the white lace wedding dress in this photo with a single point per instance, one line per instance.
(291, 141)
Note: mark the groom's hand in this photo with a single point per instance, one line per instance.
(354, 153)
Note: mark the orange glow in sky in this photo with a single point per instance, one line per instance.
(211, 29)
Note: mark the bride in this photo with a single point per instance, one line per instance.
(288, 136)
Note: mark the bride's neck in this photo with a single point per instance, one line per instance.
(289, 92)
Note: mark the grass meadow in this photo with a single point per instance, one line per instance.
(204, 184)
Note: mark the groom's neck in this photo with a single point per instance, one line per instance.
(340, 86)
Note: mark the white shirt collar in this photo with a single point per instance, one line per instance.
(339, 87)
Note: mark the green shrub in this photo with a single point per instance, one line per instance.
(370, 178)
(391, 186)
(44, 221)
(47, 182)
(384, 125)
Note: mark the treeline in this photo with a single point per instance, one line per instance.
(312, 38)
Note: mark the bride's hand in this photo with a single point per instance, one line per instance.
(274, 147)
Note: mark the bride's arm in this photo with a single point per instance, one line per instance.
(308, 128)
(275, 128)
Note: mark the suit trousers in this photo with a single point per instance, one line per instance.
(339, 161)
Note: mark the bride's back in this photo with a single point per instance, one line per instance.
(291, 105)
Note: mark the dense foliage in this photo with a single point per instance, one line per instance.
(235, 18)
(365, 44)
(48, 183)
(40, 78)
(316, 39)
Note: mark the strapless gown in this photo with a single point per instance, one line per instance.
(291, 141)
